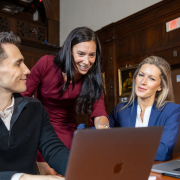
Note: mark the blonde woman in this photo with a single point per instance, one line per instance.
(150, 104)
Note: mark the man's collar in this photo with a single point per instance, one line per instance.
(17, 99)
(12, 104)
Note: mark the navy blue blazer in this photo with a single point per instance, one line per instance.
(169, 117)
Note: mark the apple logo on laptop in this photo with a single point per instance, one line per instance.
(118, 168)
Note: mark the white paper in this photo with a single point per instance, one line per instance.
(152, 178)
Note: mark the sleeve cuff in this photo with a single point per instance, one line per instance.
(16, 176)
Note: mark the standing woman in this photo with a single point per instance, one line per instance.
(150, 104)
(68, 83)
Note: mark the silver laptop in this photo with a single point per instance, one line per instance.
(113, 154)
(171, 168)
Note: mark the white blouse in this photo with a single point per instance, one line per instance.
(146, 117)
(7, 115)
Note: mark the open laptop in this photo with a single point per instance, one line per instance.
(113, 154)
(171, 168)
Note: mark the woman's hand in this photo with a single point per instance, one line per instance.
(101, 122)
(40, 177)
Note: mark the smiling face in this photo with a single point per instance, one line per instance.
(13, 71)
(84, 55)
(148, 81)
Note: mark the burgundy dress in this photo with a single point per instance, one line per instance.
(48, 80)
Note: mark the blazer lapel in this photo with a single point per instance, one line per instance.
(133, 114)
(154, 115)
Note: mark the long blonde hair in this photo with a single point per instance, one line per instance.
(166, 94)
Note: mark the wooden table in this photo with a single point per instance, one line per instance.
(159, 176)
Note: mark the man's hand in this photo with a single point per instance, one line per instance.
(40, 177)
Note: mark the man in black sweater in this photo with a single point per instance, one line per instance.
(24, 123)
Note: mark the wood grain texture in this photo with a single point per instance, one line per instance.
(135, 38)
(33, 33)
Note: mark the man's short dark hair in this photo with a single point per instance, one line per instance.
(6, 37)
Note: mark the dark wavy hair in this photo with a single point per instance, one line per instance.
(92, 87)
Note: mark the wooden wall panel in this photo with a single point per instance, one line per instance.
(173, 36)
(139, 42)
(176, 84)
(168, 55)
(30, 59)
(53, 15)
(154, 38)
(123, 48)
(32, 52)
(137, 37)
(53, 32)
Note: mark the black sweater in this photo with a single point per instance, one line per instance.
(30, 130)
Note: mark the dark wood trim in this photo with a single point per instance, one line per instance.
(38, 45)
(53, 17)
(4, 14)
(48, 8)
(140, 14)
